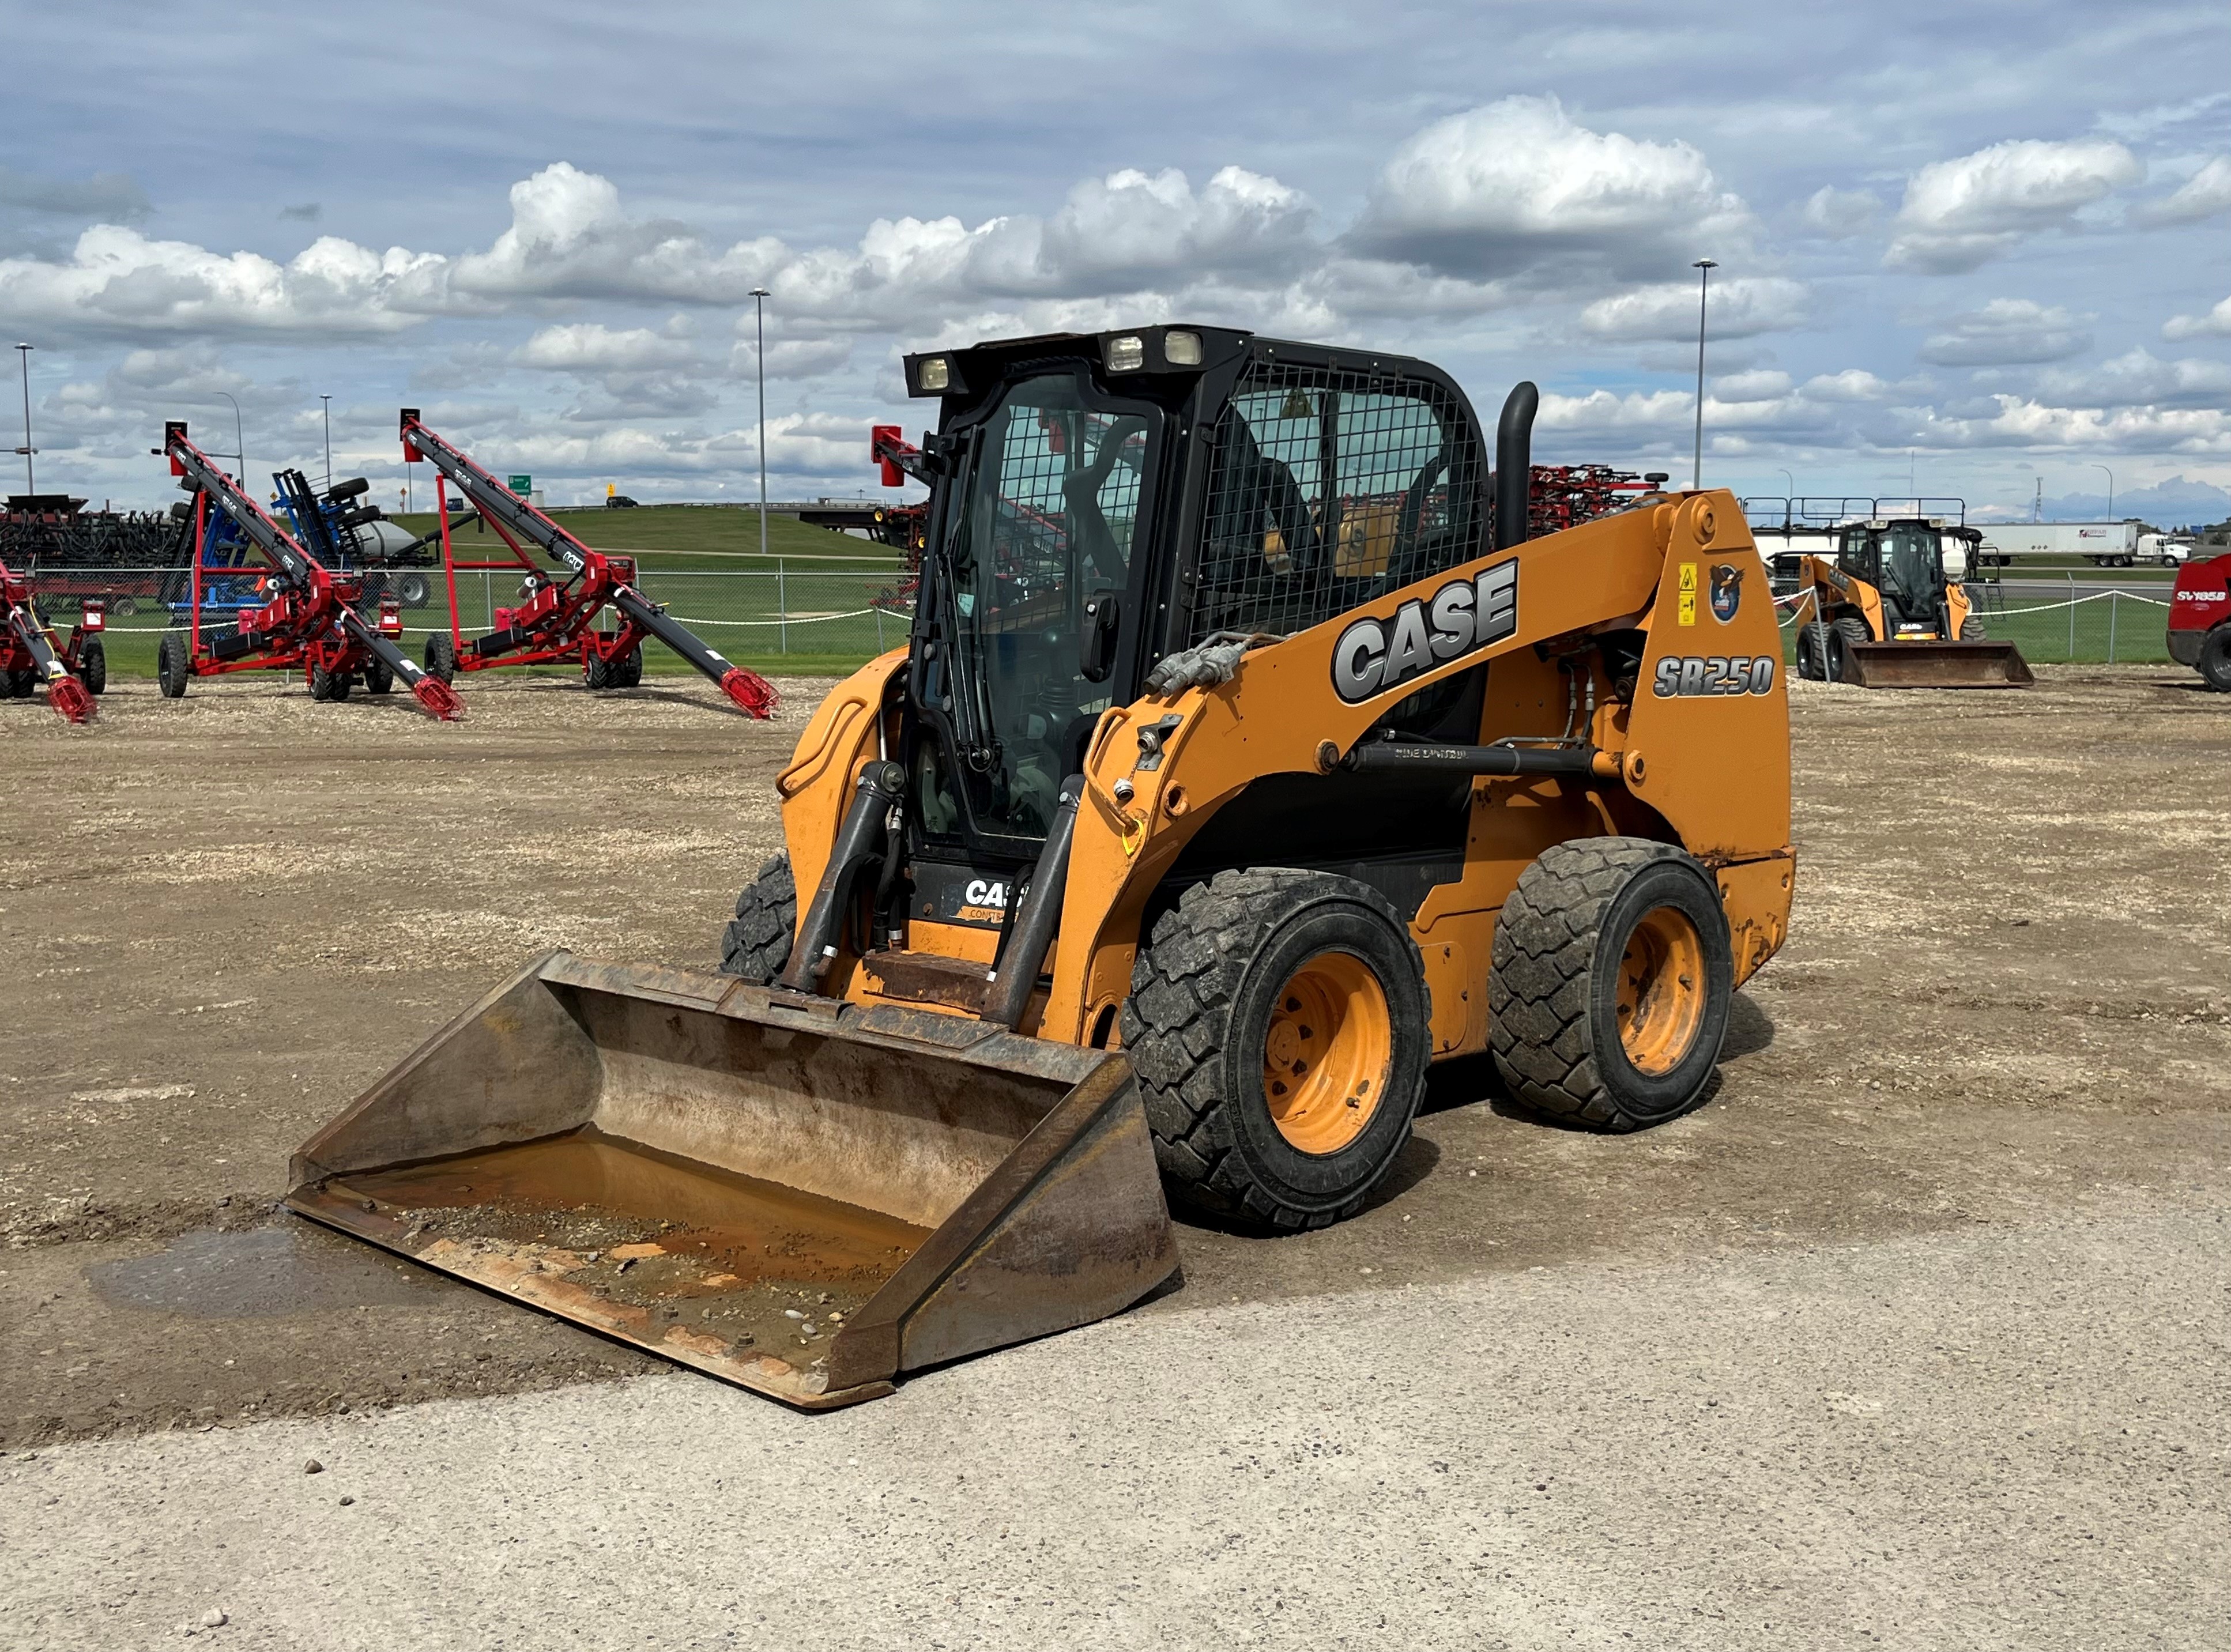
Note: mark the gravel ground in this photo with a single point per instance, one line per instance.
(1969, 1144)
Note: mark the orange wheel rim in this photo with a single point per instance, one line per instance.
(1661, 991)
(1327, 1052)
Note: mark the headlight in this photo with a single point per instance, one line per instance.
(936, 373)
(1181, 349)
(1126, 354)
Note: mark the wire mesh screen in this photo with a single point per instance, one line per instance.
(1329, 488)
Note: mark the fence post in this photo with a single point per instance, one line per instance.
(782, 605)
(2114, 606)
(879, 627)
(2071, 615)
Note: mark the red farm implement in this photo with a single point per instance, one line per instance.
(297, 615)
(31, 655)
(558, 619)
(1562, 496)
(906, 526)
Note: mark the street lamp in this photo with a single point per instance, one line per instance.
(27, 449)
(239, 441)
(1789, 498)
(2096, 465)
(759, 296)
(1703, 267)
(329, 401)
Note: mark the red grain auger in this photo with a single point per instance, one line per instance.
(557, 620)
(30, 655)
(308, 620)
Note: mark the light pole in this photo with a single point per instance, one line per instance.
(759, 296)
(329, 401)
(239, 441)
(1789, 498)
(2096, 465)
(1703, 267)
(30, 486)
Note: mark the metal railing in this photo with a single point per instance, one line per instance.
(2100, 626)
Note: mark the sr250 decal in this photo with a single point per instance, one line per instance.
(1374, 655)
(1682, 676)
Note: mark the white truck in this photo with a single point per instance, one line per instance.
(2106, 545)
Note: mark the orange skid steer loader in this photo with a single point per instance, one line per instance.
(1885, 613)
(1191, 825)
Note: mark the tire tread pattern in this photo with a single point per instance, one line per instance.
(756, 942)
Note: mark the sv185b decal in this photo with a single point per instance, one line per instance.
(1680, 676)
(1373, 655)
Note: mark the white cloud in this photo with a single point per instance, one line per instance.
(117, 279)
(1741, 308)
(1840, 214)
(2140, 378)
(1518, 182)
(1852, 384)
(2022, 422)
(2006, 333)
(1960, 214)
(2203, 195)
(1759, 384)
(2216, 322)
(594, 347)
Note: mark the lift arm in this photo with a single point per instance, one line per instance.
(497, 504)
(323, 605)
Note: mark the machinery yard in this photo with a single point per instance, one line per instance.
(1967, 1156)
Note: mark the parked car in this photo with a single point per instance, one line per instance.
(619, 502)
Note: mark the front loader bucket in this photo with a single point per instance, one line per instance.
(801, 1195)
(1936, 665)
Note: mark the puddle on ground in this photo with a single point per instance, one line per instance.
(261, 1273)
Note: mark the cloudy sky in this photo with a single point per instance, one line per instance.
(1986, 248)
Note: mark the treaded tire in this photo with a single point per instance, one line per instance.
(1203, 993)
(328, 685)
(1971, 630)
(93, 667)
(441, 656)
(1848, 630)
(596, 673)
(631, 669)
(757, 941)
(2215, 659)
(22, 684)
(1553, 986)
(377, 679)
(173, 657)
(1813, 651)
(412, 591)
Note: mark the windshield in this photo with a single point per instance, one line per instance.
(1045, 526)
(1913, 569)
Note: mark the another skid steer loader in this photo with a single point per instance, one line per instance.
(1884, 614)
(1246, 758)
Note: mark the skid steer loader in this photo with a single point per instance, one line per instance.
(1246, 758)
(1886, 614)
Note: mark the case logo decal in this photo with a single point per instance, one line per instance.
(1374, 655)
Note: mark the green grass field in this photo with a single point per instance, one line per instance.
(680, 536)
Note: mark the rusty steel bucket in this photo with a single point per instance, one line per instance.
(801, 1195)
(1936, 665)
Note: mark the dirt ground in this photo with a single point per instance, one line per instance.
(2004, 1001)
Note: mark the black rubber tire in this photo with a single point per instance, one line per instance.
(1202, 995)
(2215, 659)
(597, 674)
(93, 667)
(173, 660)
(122, 607)
(441, 656)
(631, 669)
(377, 679)
(411, 590)
(1971, 630)
(1848, 629)
(328, 685)
(1552, 982)
(21, 685)
(756, 943)
(1813, 651)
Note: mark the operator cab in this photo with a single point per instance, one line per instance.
(1100, 501)
(1904, 561)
